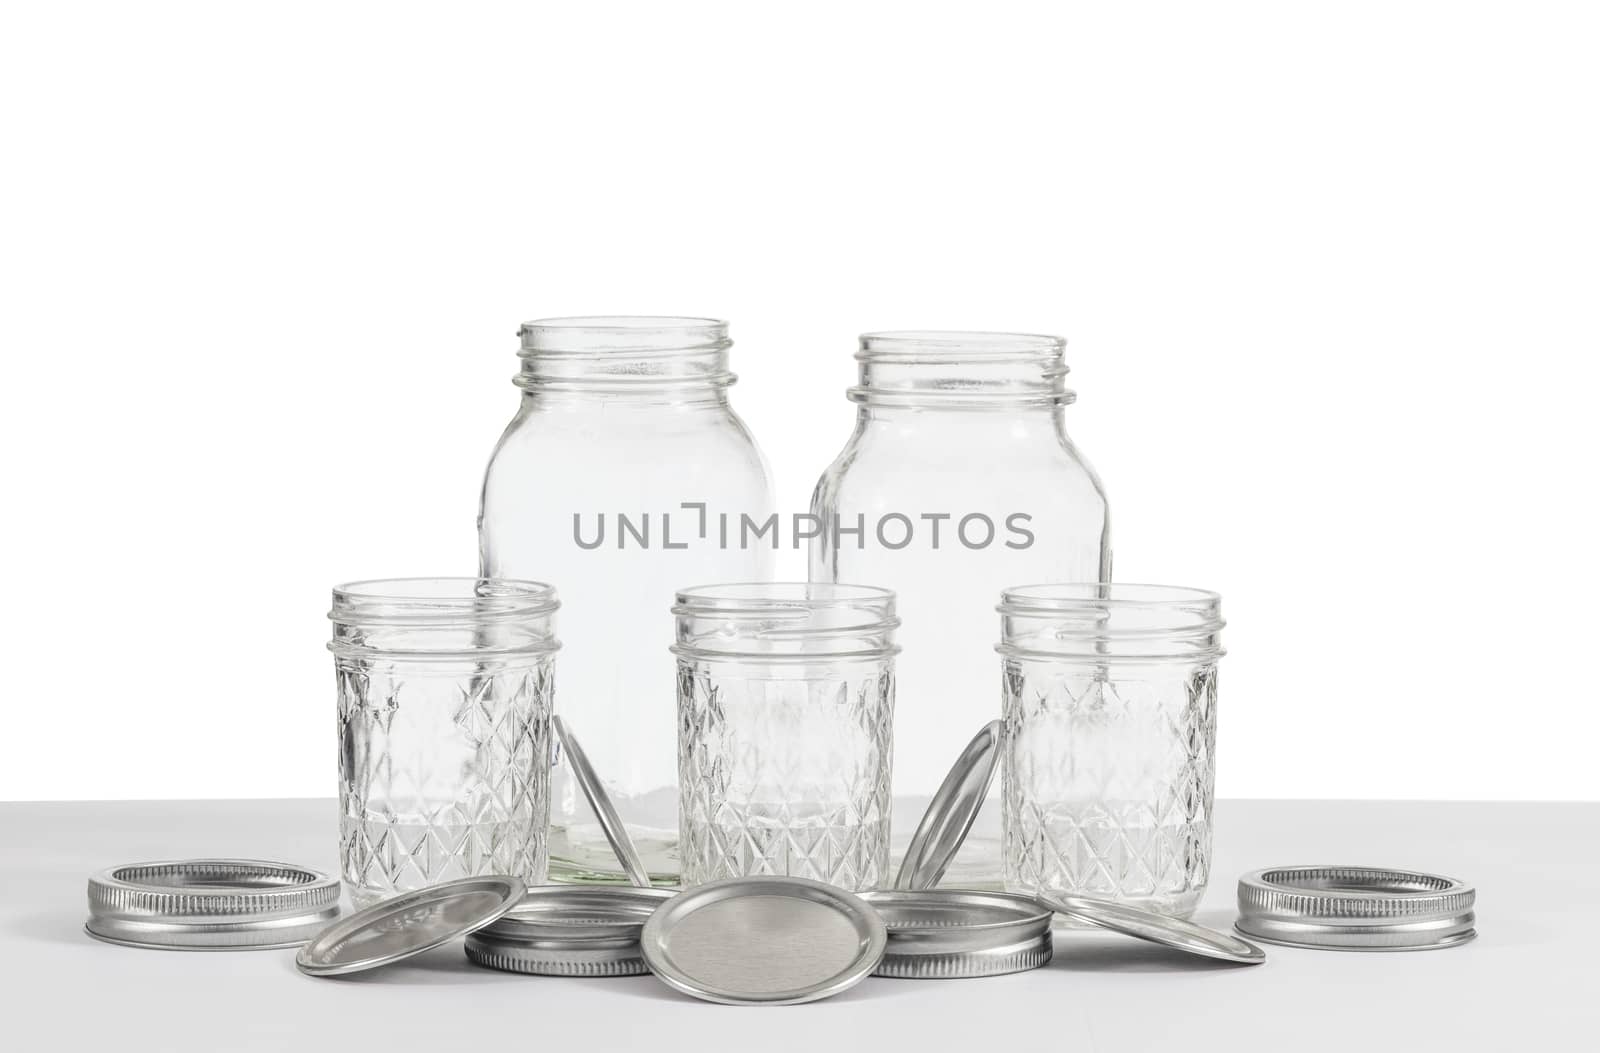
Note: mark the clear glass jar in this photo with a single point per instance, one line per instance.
(618, 477)
(958, 481)
(444, 689)
(785, 731)
(1109, 756)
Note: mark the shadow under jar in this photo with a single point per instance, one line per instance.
(1110, 698)
(785, 731)
(444, 689)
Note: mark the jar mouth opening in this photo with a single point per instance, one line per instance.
(626, 322)
(933, 345)
(767, 595)
(623, 334)
(1081, 595)
(440, 598)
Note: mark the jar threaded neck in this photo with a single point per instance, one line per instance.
(443, 618)
(624, 354)
(972, 370)
(785, 621)
(1110, 621)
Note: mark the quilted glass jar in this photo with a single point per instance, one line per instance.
(625, 475)
(1108, 767)
(785, 731)
(444, 688)
(958, 481)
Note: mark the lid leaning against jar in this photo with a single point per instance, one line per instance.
(605, 812)
(574, 930)
(941, 933)
(951, 813)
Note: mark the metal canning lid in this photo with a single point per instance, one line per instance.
(210, 904)
(951, 813)
(1177, 933)
(570, 930)
(1356, 908)
(955, 933)
(764, 941)
(408, 924)
(610, 822)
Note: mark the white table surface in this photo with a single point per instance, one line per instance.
(1529, 979)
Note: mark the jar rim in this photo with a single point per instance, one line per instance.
(625, 322)
(755, 595)
(935, 345)
(1077, 595)
(622, 336)
(436, 598)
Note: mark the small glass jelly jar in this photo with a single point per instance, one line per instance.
(444, 689)
(1108, 771)
(785, 731)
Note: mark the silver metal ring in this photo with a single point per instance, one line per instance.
(1355, 908)
(210, 904)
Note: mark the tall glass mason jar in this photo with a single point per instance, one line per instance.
(625, 474)
(444, 688)
(958, 481)
(785, 731)
(1109, 756)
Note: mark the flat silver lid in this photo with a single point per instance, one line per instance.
(951, 813)
(1356, 908)
(764, 941)
(570, 930)
(1176, 933)
(210, 904)
(408, 924)
(955, 933)
(600, 802)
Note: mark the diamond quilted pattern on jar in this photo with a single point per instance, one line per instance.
(443, 772)
(785, 776)
(1108, 780)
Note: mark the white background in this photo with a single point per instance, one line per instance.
(1328, 273)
